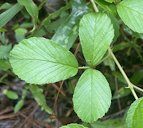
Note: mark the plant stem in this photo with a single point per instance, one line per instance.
(137, 88)
(94, 6)
(130, 85)
(84, 67)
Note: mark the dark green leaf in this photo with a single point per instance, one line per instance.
(67, 32)
(4, 65)
(137, 77)
(114, 123)
(6, 16)
(4, 51)
(31, 8)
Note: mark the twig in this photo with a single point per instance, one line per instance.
(94, 6)
(118, 100)
(58, 89)
(56, 99)
(130, 85)
(77, 49)
(35, 109)
(30, 120)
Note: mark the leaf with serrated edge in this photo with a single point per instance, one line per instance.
(135, 114)
(96, 34)
(92, 96)
(41, 61)
(73, 126)
(131, 12)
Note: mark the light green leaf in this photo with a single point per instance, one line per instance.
(6, 16)
(111, 10)
(135, 114)
(10, 94)
(20, 34)
(38, 95)
(19, 105)
(131, 12)
(41, 61)
(96, 34)
(31, 8)
(73, 126)
(5, 5)
(92, 96)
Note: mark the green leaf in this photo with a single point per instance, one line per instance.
(122, 92)
(131, 12)
(40, 98)
(4, 65)
(4, 51)
(41, 61)
(121, 46)
(5, 5)
(20, 34)
(110, 62)
(67, 32)
(10, 94)
(96, 34)
(112, 123)
(135, 114)
(108, 7)
(92, 96)
(31, 8)
(6, 16)
(137, 77)
(111, 10)
(73, 126)
(19, 105)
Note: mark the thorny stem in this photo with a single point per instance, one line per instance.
(130, 85)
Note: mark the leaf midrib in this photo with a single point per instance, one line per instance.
(45, 61)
